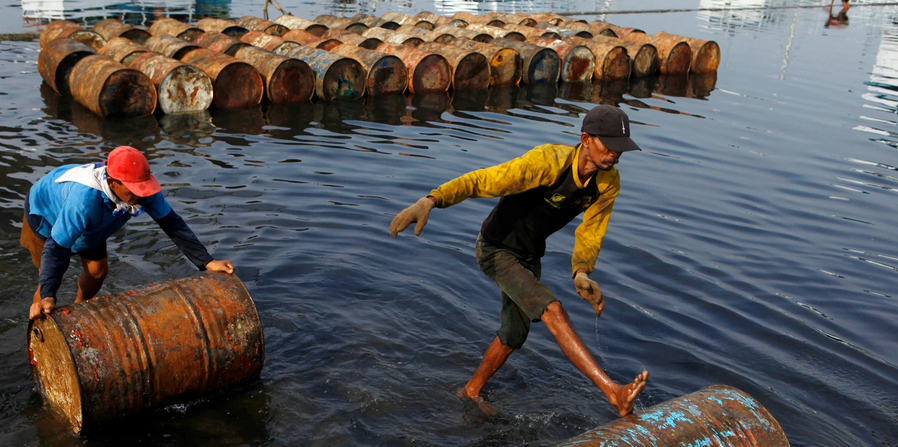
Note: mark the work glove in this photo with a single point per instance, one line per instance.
(415, 213)
(589, 290)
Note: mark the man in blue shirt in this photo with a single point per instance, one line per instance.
(74, 209)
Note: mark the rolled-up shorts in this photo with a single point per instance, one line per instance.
(524, 298)
(35, 245)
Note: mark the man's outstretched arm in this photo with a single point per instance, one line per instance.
(185, 239)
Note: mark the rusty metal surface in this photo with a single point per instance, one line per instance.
(612, 59)
(108, 88)
(470, 69)
(578, 64)
(540, 65)
(236, 84)
(506, 65)
(461, 32)
(333, 22)
(394, 37)
(368, 43)
(170, 46)
(428, 72)
(511, 19)
(705, 53)
(386, 74)
(623, 32)
(337, 78)
(443, 21)
(56, 60)
(258, 24)
(674, 54)
(412, 30)
(221, 43)
(529, 32)
(553, 19)
(172, 27)
(306, 38)
(222, 26)
(268, 42)
(713, 416)
(598, 27)
(294, 23)
(63, 28)
(522, 18)
(578, 30)
(287, 80)
(477, 19)
(497, 32)
(180, 88)
(122, 50)
(371, 21)
(119, 355)
(109, 28)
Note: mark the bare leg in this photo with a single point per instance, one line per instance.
(91, 278)
(622, 397)
(495, 356)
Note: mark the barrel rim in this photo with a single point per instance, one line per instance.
(34, 368)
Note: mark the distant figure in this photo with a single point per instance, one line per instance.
(839, 20)
(74, 209)
(541, 192)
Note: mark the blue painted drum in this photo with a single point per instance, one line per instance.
(714, 416)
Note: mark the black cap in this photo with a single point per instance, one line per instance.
(612, 126)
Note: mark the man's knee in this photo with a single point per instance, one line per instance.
(554, 311)
(97, 270)
(512, 339)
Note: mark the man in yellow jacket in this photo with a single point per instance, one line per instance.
(541, 192)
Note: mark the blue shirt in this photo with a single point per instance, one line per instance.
(79, 217)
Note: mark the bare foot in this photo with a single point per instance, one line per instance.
(625, 395)
(476, 400)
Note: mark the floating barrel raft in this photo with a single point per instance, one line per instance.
(713, 416)
(116, 356)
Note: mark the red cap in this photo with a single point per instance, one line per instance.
(130, 167)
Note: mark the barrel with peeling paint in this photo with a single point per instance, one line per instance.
(63, 28)
(177, 28)
(180, 88)
(287, 80)
(170, 46)
(705, 53)
(612, 59)
(622, 32)
(674, 55)
(109, 28)
(405, 19)
(337, 78)
(118, 355)
(476, 19)
(600, 28)
(713, 416)
(258, 24)
(122, 50)
(221, 43)
(56, 60)
(458, 33)
(222, 26)
(553, 19)
(387, 74)
(578, 64)
(541, 65)
(496, 32)
(373, 21)
(394, 37)
(333, 22)
(512, 19)
(236, 84)
(276, 45)
(108, 88)
(295, 23)
(427, 72)
(470, 69)
(506, 65)
(570, 29)
(411, 30)
(345, 37)
(530, 32)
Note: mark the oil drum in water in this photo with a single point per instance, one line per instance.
(715, 415)
(118, 355)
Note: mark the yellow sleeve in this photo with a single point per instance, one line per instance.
(540, 166)
(589, 234)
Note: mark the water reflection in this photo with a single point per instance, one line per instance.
(138, 13)
(882, 89)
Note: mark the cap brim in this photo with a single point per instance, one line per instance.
(145, 188)
(620, 144)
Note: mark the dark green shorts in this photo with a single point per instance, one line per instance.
(524, 298)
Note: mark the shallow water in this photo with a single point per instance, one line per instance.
(752, 243)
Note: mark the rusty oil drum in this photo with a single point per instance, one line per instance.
(578, 64)
(674, 55)
(222, 43)
(496, 32)
(236, 84)
(459, 33)
(600, 28)
(427, 72)
(57, 59)
(72, 30)
(180, 88)
(705, 53)
(301, 37)
(222, 26)
(394, 37)
(122, 50)
(470, 69)
(258, 24)
(347, 38)
(386, 73)
(541, 65)
(287, 80)
(476, 19)
(713, 416)
(271, 43)
(170, 46)
(337, 78)
(308, 26)
(114, 356)
(109, 28)
(506, 65)
(333, 22)
(172, 27)
(612, 59)
(108, 88)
